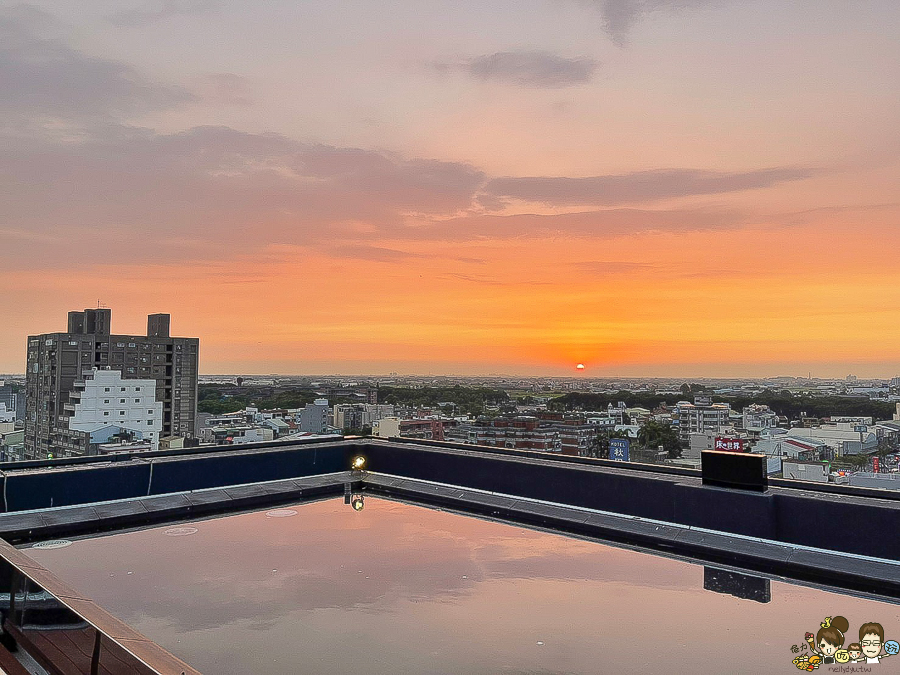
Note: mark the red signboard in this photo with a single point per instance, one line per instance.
(726, 444)
(876, 464)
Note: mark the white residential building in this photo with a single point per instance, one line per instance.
(6, 416)
(106, 400)
(702, 415)
(757, 418)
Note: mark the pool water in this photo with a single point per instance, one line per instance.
(397, 588)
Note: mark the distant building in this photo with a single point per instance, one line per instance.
(386, 427)
(699, 441)
(809, 471)
(521, 433)
(758, 418)
(314, 417)
(7, 416)
(881, 481)
(13, 399)
(57, 361)
(575, 438)
(359, 415)
(702, 415)
(841, 441)
(347, 416)
(12, 443)
(794, 447)
(851, 420)
(236, 434)
(278, 426)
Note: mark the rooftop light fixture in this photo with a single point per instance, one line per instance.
(358, 463)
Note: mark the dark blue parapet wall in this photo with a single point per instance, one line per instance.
(864, 525)
(141, 476)
(857, 522)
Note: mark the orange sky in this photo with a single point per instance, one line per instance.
(703, 190)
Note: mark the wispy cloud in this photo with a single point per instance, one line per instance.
(611, 267)
(529, 69)
(371, 253)
(209, 191)
(160, 10)
(637, 187)
(602, 224)
(45, 79)
(219, 186)
(619, 16)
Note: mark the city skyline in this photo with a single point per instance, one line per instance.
(657, 188)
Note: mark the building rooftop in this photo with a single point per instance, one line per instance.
(432, 557)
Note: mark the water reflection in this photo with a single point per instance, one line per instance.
(59, 638)
(404, 589)
(745, 586)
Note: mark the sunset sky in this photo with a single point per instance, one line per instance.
(648, 187)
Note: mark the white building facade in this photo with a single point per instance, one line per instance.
(701, 416)
(757, 418)
(106, 400)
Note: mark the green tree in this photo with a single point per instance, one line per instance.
(655, 434)
(600, 446)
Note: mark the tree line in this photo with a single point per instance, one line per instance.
(782, 403)
(468, 400)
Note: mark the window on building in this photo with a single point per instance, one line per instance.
(137, 400)
(106, 400)
(121, 412)
(106, 389)
(149, 412)
(106, 414)
(149, 421)
(123, 388)
(121, 400)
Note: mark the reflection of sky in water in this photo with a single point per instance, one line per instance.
(404, 589)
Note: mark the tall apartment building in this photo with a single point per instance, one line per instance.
(57, 362)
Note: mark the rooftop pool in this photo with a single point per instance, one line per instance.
(386, 587)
